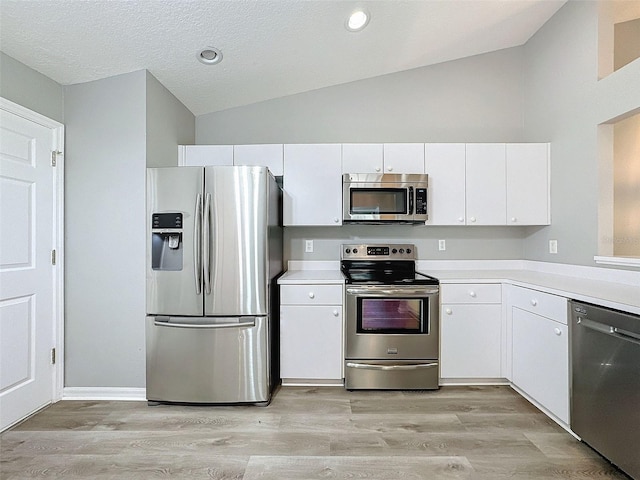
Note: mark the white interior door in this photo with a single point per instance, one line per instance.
(27, 234)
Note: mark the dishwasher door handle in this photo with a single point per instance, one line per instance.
(370, 366)
(609, 330)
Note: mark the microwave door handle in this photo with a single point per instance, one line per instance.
(410, 200)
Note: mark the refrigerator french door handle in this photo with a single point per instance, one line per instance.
(197, 245)
(207, 246)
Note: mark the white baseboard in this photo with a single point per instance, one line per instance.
(104, 393)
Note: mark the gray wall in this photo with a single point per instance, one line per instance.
(115, 127)
(564, 103)
(477, 99)
(31, 89)
(105, 232)
(169, 124)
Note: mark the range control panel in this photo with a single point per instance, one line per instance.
(404, 251)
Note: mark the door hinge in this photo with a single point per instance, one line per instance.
(53, 257)
(54, 157)
(53, 356)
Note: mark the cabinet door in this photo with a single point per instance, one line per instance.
(541, 360)
(205, 155)
(312, 184)
(311, 342)
(471, 341)
(403, 157)
(261, 155)
(445, 165)
(527, 183)
(362, 158)
(486, 199)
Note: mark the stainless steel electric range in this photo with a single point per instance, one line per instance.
(392, 319)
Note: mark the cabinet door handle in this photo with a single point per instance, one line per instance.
(534, 302)
(514, 219)
(336, 313)
(557, 331)
(336, 219)
(448, 311)
(389, 169)
(461, 219)
(377, 169)
(473, 219)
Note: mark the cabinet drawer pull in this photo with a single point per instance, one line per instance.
(336, 313)
(312, 295)
(557, 331)
(534, 302)
(448, 311)
(472, 294)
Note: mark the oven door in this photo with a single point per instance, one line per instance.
(392, 322)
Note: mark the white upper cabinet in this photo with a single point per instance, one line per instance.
(383, 158)
(527, 183)
(270, 155)
(445, 165)
(205, 155)
(362, 158)
(312, 184)
(403, 157)
(486, 180)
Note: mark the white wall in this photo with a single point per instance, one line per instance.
(626, 234)
(31, 89)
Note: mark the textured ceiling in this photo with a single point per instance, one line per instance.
(271, 48)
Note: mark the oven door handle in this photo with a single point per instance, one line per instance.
(369, 366)
(385, 291)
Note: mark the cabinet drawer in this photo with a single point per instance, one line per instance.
(311, 295)
(541, 303)
(471, 293)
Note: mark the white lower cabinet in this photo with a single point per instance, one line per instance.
(471, 331)
(311, 334)
(540, 348)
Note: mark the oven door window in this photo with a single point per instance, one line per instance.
(392, 315)
(377, 201)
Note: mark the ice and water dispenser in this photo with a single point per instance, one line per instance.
(166, 241)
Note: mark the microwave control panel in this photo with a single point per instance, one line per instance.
(421, 201)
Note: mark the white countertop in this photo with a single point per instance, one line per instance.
(623, 296)
(311, 276)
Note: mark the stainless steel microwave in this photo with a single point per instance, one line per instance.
(384, 198)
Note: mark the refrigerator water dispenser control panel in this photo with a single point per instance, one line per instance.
(166, 220)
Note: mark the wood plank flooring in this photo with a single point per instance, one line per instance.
(306, 433)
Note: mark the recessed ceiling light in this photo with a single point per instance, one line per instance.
(209, 55)
(357, 21)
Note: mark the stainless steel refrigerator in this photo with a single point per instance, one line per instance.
(214, 250)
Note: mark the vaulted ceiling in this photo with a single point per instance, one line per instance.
(270, 48)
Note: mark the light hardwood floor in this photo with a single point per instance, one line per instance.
(306, 433)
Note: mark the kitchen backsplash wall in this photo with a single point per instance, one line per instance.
(462, 243)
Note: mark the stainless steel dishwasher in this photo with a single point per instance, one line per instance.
(605, 385)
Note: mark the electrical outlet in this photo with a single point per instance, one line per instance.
(308, 246)
(442, 245)
(553, 246)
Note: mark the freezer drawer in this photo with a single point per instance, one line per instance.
(208, 359)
